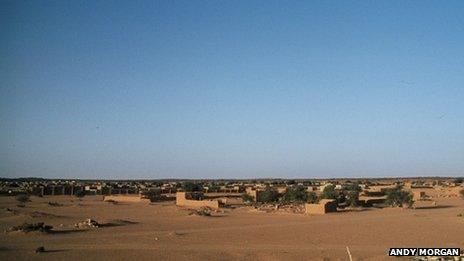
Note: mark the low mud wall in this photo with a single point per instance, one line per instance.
(181, 201)
(121, 198)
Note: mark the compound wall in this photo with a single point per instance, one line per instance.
(182, 201)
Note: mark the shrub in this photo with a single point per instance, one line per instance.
(307, 183)
(54, 204)
(152, 195)
(462, 193)
(352, 194)
(291, 182)
(352, 198)
(329, 192)
(214, 188)
(192, 187)
(80, 194)
(22, 199)
(312, 198)
(29, 227)
(340, 197)
(398, 197)
(353, 187)
(247, 198)
(297, 194)
(269, 195)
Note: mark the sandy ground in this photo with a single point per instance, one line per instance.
(164, 232)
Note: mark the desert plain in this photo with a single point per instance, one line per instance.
(163, 231)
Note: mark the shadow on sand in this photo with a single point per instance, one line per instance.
(433, 207)
(354, 210)
(217, 216)
(55, 251)
(67, 231)
(39, 214)
(118, 223)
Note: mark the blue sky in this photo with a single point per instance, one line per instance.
(231, 89)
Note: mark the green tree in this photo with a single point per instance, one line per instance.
(214, 188)
(312, 198)
(353, 187)
(291, 182)
(269, 195)
(352, 194)
(329, 192)
(296, 194)
(247, 198)
(399, 197)
(189, 186)
(352, 198)
(152, 195)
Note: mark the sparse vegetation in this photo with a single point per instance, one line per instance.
(353, 187)
(88, 223)
(352, 198)
(329, 192)
(247, 199)
(112, 201)
(29, 227)
(291, 182)
(192, 187)
(152, 195)
(269, 195)
(54, 204)
(214, 188)
(295, 194)
(80, 194)
(204, 211)
(352, 194)
(22, 199)
(397, 197)
(312, 198)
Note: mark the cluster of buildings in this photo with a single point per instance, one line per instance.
(371, 194)
(214, 194)
(42, 187)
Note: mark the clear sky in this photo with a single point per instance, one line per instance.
(231, 89)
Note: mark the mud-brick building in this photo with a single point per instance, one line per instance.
(323, 207)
